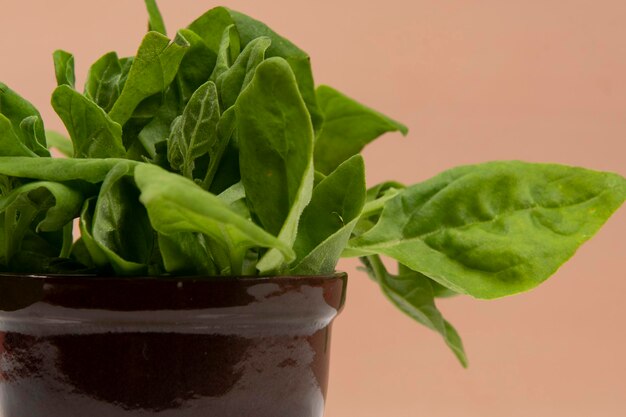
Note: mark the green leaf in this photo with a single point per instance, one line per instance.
(103, 81)
(175, 205)
(155, 22)
(60, 203)
(10, 143)
(152, 71)
(195, 132)
(494, 229)
(348, 126)
(158, 129)
(16, 109)
(60, 142)
(227, 53)
(275, 138)
(121, 227)
(196, 66)
(93, 133)
(58, 169)
(299, 61)
(210, 27)
(64, 68)
(233, 80)
(33, 210)
(31, 127)
(413, 294)
(186, 253)
(327, 222)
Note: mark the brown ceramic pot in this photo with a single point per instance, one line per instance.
(166, 347)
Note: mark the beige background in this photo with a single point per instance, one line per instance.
(540, 80)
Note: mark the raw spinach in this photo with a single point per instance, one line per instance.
(214, 154)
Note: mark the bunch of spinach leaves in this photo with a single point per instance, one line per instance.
(214, 154)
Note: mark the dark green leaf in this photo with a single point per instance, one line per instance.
(494, 229)
(196, 66)
(348, 126)
(121, 227)
(93, 133)
(10, 142)
(210, 27)
(31, 127)
(299, 61)
(186, 253)
(103, 81)
(16, 109)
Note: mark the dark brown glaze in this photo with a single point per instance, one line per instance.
(167, 347)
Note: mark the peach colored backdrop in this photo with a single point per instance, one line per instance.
(475, 81)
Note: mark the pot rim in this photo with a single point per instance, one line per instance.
(83, 278)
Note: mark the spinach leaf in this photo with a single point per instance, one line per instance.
(413, 294)
(155, 22)
(348, 126)
(327, 222)
(15, 109)
(152, 71)
(197, 65)
(275, 138)
(211, 25)
(103, 81)
(227, 52)
(186, 253)
(93, 133)
(10, 143)
(194, 133)
(234, 79)
(31, 210)
(177, 205)
(299, 61)
(64, 68)
(58, 169)
(121, 227)
(31, 128)
(494, 229)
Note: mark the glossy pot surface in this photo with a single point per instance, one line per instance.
(167, 347)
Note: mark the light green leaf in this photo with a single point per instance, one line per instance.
(494, 229)
(186, 253)
(413, 294)
(93, 133)
(275, 140)
(348, 126)
(175, 205)
(327, 222)
(58, 169)
(152, 71)
(31, 127)
(210, 27)
(64, 68)
(195, 132)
